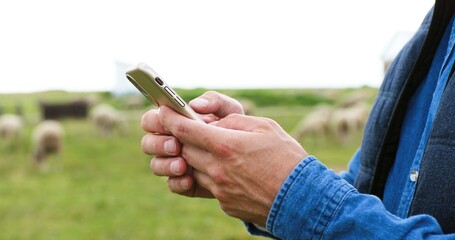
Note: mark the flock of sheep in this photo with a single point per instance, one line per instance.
(48, 135)
(340, 121)
(326, 121)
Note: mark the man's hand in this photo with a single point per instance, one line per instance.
(241, 160)
(166, 148)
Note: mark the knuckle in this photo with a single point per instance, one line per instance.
(212, 94)
(176, 185)
(145, 143)
(173, 186)
(149, 144)
(144, 121)
(156, 166)
(219, 176)
(224, 150)
(143, 139)
(214, 97)
(148, 119)
(152, 165)
(237, 106)
(234, 116)
(267, 123)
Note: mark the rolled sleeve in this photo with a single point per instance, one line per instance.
(313, 212)
(316, 203)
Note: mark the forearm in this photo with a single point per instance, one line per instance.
(315, 203)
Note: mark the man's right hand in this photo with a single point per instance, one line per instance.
(212, 106)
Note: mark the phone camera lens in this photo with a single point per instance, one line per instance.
(159, 81)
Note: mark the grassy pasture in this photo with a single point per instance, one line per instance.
(102, 188)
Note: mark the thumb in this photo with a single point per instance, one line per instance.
(217, 104)
(245, 123)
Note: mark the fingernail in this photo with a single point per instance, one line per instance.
(170, 147)
(199, 102)
(175, 167)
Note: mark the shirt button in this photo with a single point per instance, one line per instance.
(414, 175)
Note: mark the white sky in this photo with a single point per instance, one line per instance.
(73, 45)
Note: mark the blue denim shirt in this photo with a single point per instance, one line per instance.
(400, 188)
(316, 203)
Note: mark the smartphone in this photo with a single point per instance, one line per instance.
(157, 91)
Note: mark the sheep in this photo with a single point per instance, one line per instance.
(11, 126)
(356, 97)
(315, 124)
(347, 121)
(134, 102)
(47, 139)
(106, 118)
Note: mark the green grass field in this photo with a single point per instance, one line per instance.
(102, 188)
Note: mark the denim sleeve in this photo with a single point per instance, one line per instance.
(354, 166)
(316, 203)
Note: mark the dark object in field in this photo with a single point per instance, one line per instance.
(73, 109)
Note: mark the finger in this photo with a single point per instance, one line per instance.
(245, 123)
(183, 185)
(204, 181)
(209, 118)
(150, 122)
(187, 186)
(160, 145)
(216, 103)
(198, 158)
(171, 167)
(205, 136)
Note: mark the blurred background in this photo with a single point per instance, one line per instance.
(79, 45)
(70, 159)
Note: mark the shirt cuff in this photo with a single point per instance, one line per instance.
(256, 230)
(307, 201)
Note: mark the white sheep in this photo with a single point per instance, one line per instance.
(315, 124)
(47, 139)
(347, 121)
(107, 119)
(11, 126)
(358, 97)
